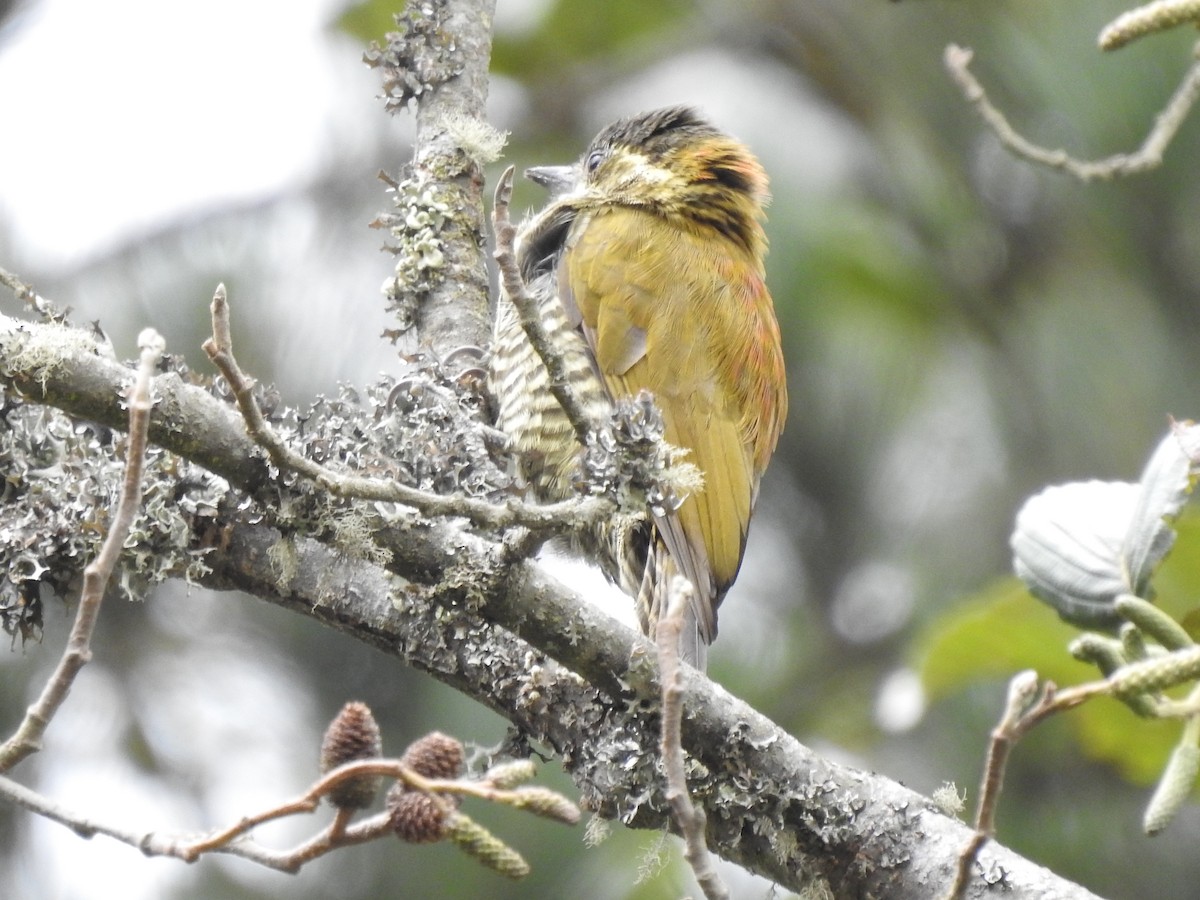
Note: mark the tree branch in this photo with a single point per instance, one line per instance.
(458, 606)
(27, 739)
(61, 366)
(1148, 156)
(440, 291)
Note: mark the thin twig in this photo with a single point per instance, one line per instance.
(21, 289)
(1148, 156)
(690, 818)
(329, 839)
(573, 514)
(235, 840)
(153, 843)
(27, 739)
(1025, 707)
(26, 293)
(530, 314)
(310, 799)
(1021, 693)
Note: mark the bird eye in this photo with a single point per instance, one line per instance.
(594, 159)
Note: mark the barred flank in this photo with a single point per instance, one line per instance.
(542, 435)
(527, 410)
(627, 549)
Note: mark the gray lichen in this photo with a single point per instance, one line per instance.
(61, 480)
(417, 426)
(417, 58)
(628, 460)
(417, 227)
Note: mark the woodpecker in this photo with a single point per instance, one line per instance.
(647, 264)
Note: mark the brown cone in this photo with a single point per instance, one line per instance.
(436, 755)
(415, 817)
(351, 736)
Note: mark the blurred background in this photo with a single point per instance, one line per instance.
(961, 330)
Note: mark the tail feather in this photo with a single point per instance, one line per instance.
(653, 599)
(633, 555)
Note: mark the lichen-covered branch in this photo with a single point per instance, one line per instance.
(439, 63)
(464, 608)
(27, 739)
(65, 367)
(773, 806)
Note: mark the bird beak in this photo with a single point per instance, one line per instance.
(556, 179)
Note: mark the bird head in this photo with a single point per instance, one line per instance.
(670, 162)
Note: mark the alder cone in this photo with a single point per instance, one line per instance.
(414, 816)
(436, 755)
(351, 736)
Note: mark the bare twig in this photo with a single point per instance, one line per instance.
(690, 818)
(27, 739)
(21, 289)
(527, 308)
(338, 833)
(153, 843)
(574, 514)
(1025, 707)
(389, 768)
(1148, 156)
(1021, 692)
(25, 292)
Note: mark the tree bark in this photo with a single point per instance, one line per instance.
(460, 606)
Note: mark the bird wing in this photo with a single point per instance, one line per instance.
(687, 317)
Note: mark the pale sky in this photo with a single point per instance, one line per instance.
(106, 131)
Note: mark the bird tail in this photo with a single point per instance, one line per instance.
(632, 553)
(653, 601)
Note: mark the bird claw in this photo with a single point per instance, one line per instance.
(504, 189)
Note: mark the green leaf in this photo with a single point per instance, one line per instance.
(1109, 731)
(1177, 582)
(1001, 631)
(1067, 547)
(1079, 546)
(991, 636)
